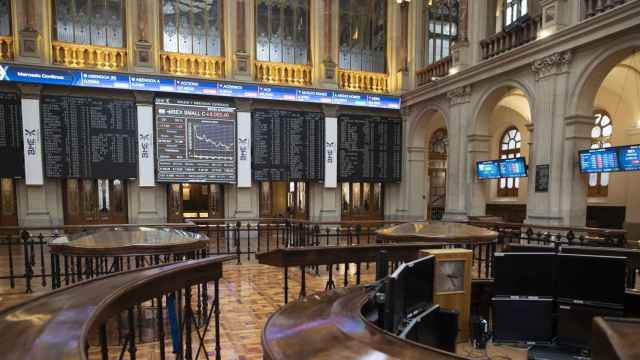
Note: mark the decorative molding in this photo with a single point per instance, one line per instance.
(461, 95)
(242, 62)
(552, 64)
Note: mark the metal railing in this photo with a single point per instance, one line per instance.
(26, 263)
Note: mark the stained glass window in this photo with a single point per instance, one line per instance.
(509, 148)
(192, 27)
(5, 18)
(441, 29)
(282, 31)
(363, 35)
(91, 22)
(600, 138)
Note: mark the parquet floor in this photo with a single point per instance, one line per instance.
(250, 293)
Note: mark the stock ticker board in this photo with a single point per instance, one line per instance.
(86, 137)
(195, 141)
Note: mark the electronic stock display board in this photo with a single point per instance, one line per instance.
(488, 169)
(610, 159)
(11, 151)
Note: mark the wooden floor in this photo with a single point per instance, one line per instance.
(249, 294)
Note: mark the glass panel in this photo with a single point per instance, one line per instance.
(5, 18)
(604, 179)
(593, 179)
(117, 196)
(265, 199)
(288, 49)
(170, 26)
(362, 35)
(366, 196)
(356, 196)
(301, 30)
(185, 29)
(607, 131)
(275, 53)
(262, 30)
(509, 183)
(346, 197)
(214, 37)
(82, 29)
(302, 196)
(64, 20)
(199, 13)
(503, 183)
(377, 196)
(114, 23)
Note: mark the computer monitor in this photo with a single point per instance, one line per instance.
(591, 279)
(575, 323)
(488, 169)
(434, 327)
(599, 160)
(523, 320)
(525, 274)
(510, 168)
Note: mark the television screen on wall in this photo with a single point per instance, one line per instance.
(510, 168)
(599, 160)
(488, 169)
(629, 157)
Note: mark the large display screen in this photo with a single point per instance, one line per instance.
(195, 141)
(87, 137)
(489, 169)
(11, 151)
(108, 80)
(287, 145)
(369, 148)
(599, 160)
(510, 168)
(629, 157)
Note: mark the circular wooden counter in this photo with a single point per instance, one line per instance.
(129, 241)
(437, 231)
(329, 326)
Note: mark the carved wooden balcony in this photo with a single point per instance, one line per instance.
(595, 7)
(518, 35)
(89, 56)
(192, 65)
(434, 71)
(363, 81)
(283, 73)
(6, 48)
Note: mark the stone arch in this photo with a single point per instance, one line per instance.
(586, 87)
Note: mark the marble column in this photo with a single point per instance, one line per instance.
(632, 213)
(478, 149)
(243, 202)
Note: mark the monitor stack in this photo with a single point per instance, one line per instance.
(524, 301)
(587, 286)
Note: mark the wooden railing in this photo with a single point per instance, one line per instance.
(6, 48)
(89, 56)
(62, 324)
(363, 81)
(595, 7)
(518, 35)
(283, 73)
(192, 65)
(434, 71)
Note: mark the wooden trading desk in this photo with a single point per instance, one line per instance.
(331, 326)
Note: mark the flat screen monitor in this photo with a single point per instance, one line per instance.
(434, 327)
(599, 160)
(525, 274)
(575, 323)
(590, 279)
(629, 157)
(510, 168)
(488, 169)
(418, 283)
(523, 321)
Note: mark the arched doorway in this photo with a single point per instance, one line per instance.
(437, 172)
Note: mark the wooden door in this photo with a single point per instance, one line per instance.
(94, 202)
(194, 201)
(437, 193)
(8, 208)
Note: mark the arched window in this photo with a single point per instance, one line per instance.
(514, 11)
(192, 27)
(363, 35)
(90, 22)
(5, 18)
(282, 31)
(442, 28)
(600, 138)
(510, 144)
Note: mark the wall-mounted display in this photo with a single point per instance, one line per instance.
(195, 141)
(599, 160)
(87, 137)
(369, 148)
(629, 157)
(287, 145)
(109, 80)
(511, 168)
(488, 169)
(11, 151)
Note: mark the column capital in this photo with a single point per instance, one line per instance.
(530, 127)
(244, 105)
(330, 110)
(143, 97)
(30, 91)
(461, 95)
(552, 64)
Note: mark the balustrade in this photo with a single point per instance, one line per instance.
(283, 73)
(520, 34)
(363, 81)
(89, 56)
(434, 71)
(595, 7)
(192, 65)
